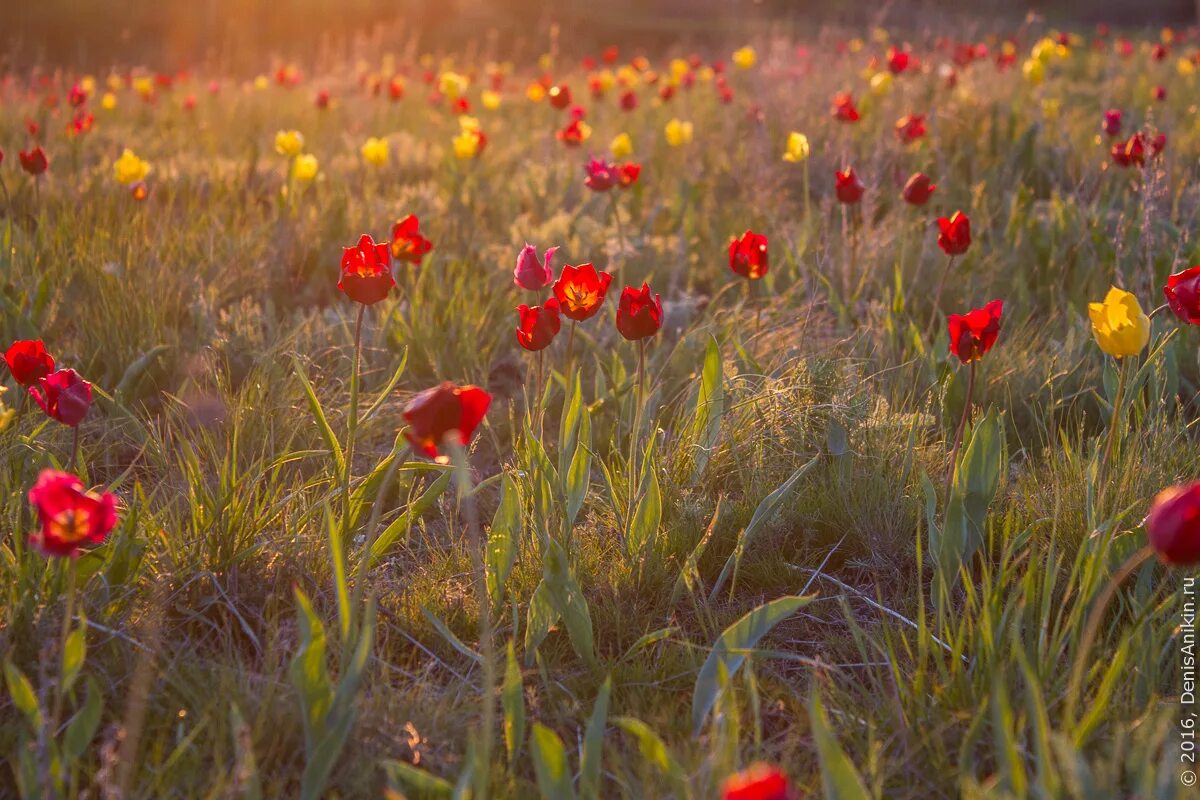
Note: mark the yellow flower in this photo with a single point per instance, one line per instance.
(306, 167)
(857, 44)
(129, 168)
(881, 83)
(1034, 71)
(114, 82)
(1044, 50)
(489, 99)
(536, 92)
(109, 101)
(744, 57)
(88, 84)
(6, 414)
(262, 82)
(466, 145)
(452, 85)
(622, 146)
(678, 68)
(678, 133)
(144, 86)
(375, 151)
(1185, 66)
(1051, 107)
(289, 143)
(606, 80)
(798, 148)
(1119, 325)
(706, 74)
(628, 76)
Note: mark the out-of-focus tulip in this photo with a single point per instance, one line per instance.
(748, 255)
(910, 128)
(849, 188)
(1112, 122)
(70, 517)
(375, 151)
(289, 144)
(744, 57)
(407, 242)
(1183, 295)
(575, 133)
(678, 133)
(129, 168)
(797, 149)
(973, 334)
(35, 161)
(28, 361)
(1173, 525)
(621, 147)
(918, 189)
(627, 174)
(441, 412)
(64, 396)
(954, 233)
(844, 109)
(1119, 325)
(601, 175)
(758, 782)
(305, 167)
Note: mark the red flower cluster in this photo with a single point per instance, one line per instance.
(62, 394)
(603, 175)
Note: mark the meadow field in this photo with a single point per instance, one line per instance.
(789, 416)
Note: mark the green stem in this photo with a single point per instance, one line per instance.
(352, 417)
(958, 434)
(64, 633)
(1110, 440)
(639, 400)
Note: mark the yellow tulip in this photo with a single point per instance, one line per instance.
(857, 44)
(289, 144)
(129, 168)
(1044, 50)
(452, 85)
(1034, 71)
(622, 146)
(375, 151)
(306, 167)
(1051, 107)
(678, 133)
(262, 83)
(679, 68)
(880, 35)
(706, 74)
(744, 57)
(109, 101)
(798, 148)
(144, 86)
(490, 100)
(881, 83)
(1185, 66)
(1119, 325)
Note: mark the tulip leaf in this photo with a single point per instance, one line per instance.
(418, 781)
(82, 727)
(540, 618)
(21, 692)
(448, 635)
(644, 527)
(318, 412)
(593, 741)
(503, 538)
(568, 600)
(512, 700)
(654, 751)
(400, 525)
(74, 654)
(839, 778)
(579, 473)
(550, 765)
(710, 407)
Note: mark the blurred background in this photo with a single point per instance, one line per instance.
(243, 34)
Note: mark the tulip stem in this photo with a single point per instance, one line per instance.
(571, 344)
(638, 400)
(1110, 440)
(74, 448)
(1092, 627)
(352, 418)
(64, 633)
(937, 294)
(958, 434)
(540, 391)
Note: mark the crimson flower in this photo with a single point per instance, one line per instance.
(897, 60)
(537, 325)
(918, 189)
(445, 409)
(629, 100)
(1160, 93)
(407, 242)
(64, 396)
(580, 291)
(574, 134)
(28, 361)
(748, 255)
(758, 782)
(70, 517)
(627, 174)
(530, 273)
(639, 315)
(1183, 295)
(1173, 525)
(601, 175)
(849, 188)
(910, 128)
(559, 96)
(1112, 122)
(843, 108)
(35, 162)
(954, 234)
(973, 334)
(366, 271)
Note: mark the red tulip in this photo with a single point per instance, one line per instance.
(1160, 93)
(28, 361)
(1112, 122)
(70, 517)
(758, 782)
(1173, 525)
(64, 396)
(748, 255)
(610, 54)
(530, 273)
(910, 128)
(35, 161)
(954, 235)
(559, 96)
(537, 325)
(436, 413)
(322, 99)
(1159, 53)
(918, 189)
(843, 108)
(849, 188)
(573, 134)
(897, 60)
(973, 334)
(580, 291)
(601, 175)
(1183, 295)
(627, 174)
(638, 314)
(629, 100)
(366, 271)
(407, 242)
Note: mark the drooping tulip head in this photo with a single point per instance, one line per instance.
(442, 411)
(69, 516)
(366, 271)
(973, 334)
(580, 291)
(748, 255)
(639, 313)
(64, 396)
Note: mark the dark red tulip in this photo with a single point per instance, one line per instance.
(601, 175)
(610, 54)
(849, 188)
(559, 96)
(407, 242)
(1159, 53)
(1160, 93)
(910, 128)
(954, 234)
(748, 255)
(1112, 122)
(580, 291)
(897, 60)
(843, 108)
(322, 99)
(639, 314)
(64, 396)
(28, 361)
(973, 334)
(537, 325)
(1183, 295)
(366, 271)
(441, 411)
(758, 782)
(629, 100)
(918, 189)
(35, 162)
(1173, 525)
(70, 517)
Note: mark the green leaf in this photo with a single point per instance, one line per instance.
(512, 700)
(644, 528)
(710, 407)
(593, 742)
(386, 391)
(730, 651)
(550, 765)
(419, 782)
(314, 405)
(134, 372)
(399, 526)
(82, 727)
(74, 654)
(308, 672)
(341, 585)
(762, 514)
(503, 539)
(539, 619)
(579, 473)
(567, 598)
(839, 778)
(654, 750)
(449, 636)
(21, 692)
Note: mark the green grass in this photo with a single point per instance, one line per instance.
(196, 311)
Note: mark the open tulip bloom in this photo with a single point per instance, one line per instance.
(971, 337)
(407, 242)
(70, 517)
